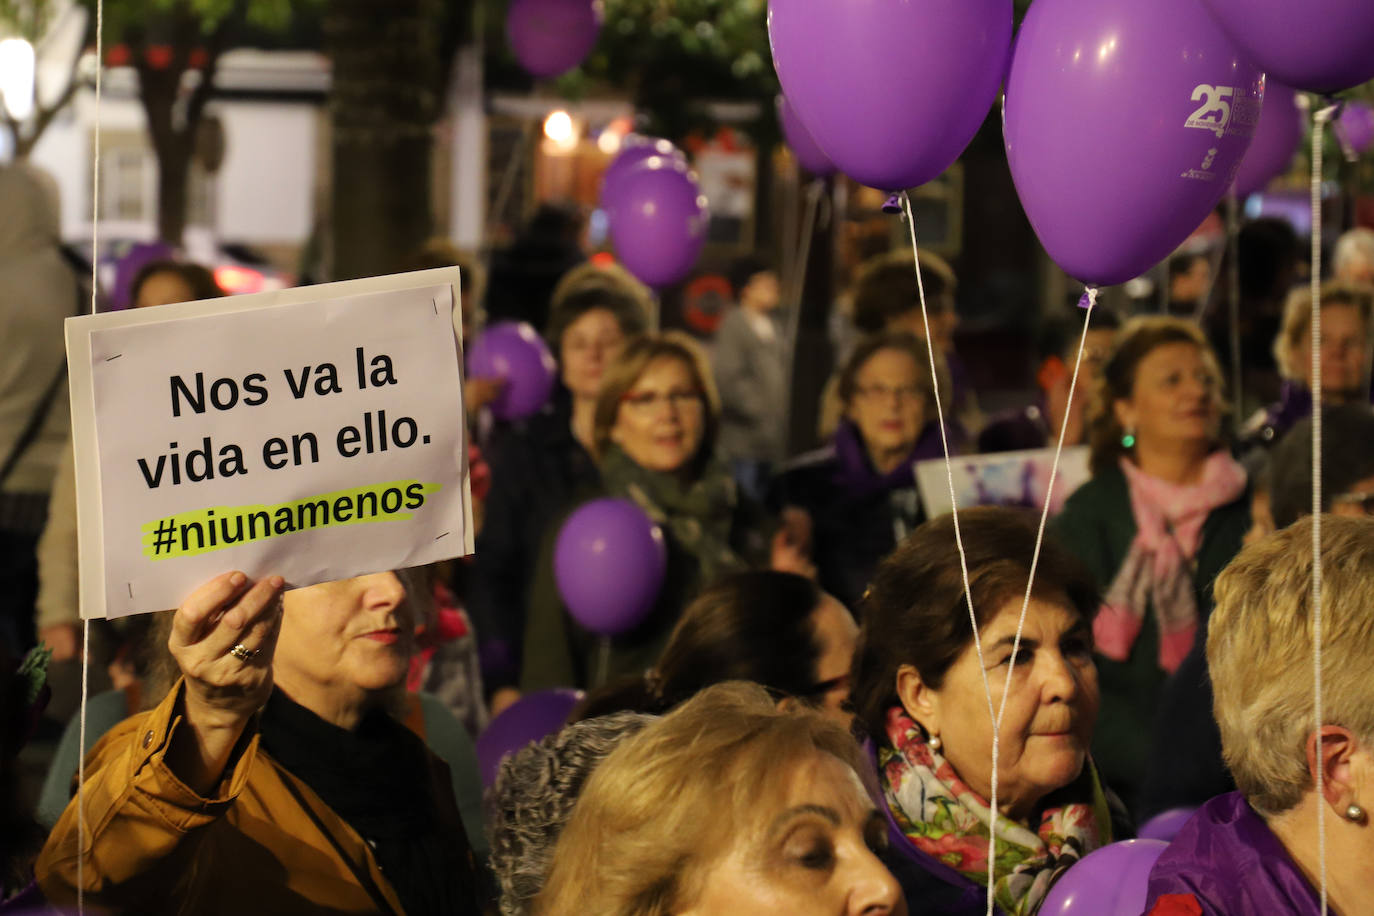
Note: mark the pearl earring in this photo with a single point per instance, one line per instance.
(935, 743)
(1354, 813)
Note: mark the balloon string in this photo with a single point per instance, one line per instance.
(1040, 533)
(959, 543)
(86, 622)
(1320, 118)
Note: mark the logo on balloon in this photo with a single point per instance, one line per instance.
(1216, 100)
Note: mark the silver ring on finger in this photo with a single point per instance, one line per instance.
(243, 653)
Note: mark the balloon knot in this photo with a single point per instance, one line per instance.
(893, 204)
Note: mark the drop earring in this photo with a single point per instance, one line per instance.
(1128, 440)
(936, 744)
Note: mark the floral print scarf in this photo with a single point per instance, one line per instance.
(948, 821)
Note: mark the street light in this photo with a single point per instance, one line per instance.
(16, 77)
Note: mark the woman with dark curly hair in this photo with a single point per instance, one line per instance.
(1166, 509)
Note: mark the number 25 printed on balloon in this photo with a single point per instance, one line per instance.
(1125, 123)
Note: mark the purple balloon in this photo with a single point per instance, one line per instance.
(1277, 137)
(811, 156)
(550, 37)
(609, 562)
(891, 90)
(529, 719)
(1166, 825)
(514, 352)
(1124, 123)
(634, 149)
(1318, 45)
(1356, 126)
(1111, 881)
(658, 220)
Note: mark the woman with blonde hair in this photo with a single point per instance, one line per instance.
(728, 805)
(1346, 312)
(1165, 510)
(1257, 850)
(654, 438)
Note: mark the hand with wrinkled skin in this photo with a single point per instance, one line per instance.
(222, 691)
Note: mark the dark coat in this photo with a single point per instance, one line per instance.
(857, 515)
(537, 468)
(1097, 524)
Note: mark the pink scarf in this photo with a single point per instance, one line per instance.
(1158, 570)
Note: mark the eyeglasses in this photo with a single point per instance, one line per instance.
(1364, 500)
(646, 401)
(902, 393)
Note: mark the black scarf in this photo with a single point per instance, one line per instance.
(377, 777)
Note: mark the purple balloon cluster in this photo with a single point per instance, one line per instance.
(1124, 122)
(657, 213)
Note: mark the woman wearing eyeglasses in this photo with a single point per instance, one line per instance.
(860, 491)
(654, 434)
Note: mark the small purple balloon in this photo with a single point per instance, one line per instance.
(529, 719)
(1356, 126)
(1277, 137)
(609, 562)
(1166, 825)
(634, 149)
(550, 37)
(891, 90)
(1124, 125)
(811, 156)
(1111, 881)
(513, 351)
(1319, 45)
(658, 219)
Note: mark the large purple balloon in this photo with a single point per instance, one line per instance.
(609, 562)
(1356, 126)
(1112, 881)
(1276, 139)
(634, 149)
(1166, 825)
(891, 90)
(550, 37)
(529, 719)
(1125, 123)
(1317, 45)
(658, 220)
(513, 351)
(811, 156)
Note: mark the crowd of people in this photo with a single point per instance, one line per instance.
(801, 722)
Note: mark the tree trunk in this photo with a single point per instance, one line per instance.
(173, 187)
(383, 106)
(173, 133)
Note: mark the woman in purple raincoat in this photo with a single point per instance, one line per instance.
(1256, 850)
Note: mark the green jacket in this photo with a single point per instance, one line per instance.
(1097, 525)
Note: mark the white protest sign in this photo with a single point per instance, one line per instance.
(1003, 479)
(314, 433)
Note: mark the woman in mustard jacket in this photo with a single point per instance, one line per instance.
(233, 797)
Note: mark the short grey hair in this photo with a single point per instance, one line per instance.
(534, 795)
